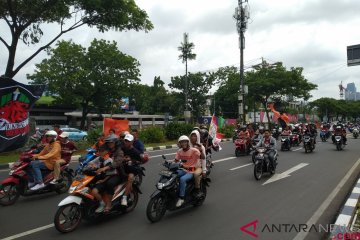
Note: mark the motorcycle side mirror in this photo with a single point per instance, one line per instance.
(163, 157)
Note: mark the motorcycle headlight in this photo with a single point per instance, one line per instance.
(163, 185)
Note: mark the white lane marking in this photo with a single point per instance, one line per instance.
(297, 149)
(242, 166)
(285, 174)
(316, 216)
(23, 234)
(223, 159)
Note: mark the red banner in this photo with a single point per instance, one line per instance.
(118, 125)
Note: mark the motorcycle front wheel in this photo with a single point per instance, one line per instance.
(68, 218)
(9, 194)
(258, 171)
(156, 208)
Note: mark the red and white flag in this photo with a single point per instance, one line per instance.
(213, 132)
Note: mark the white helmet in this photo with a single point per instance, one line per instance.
(183, 138)
(51, 133)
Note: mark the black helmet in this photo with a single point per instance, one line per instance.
(204, 133)
(112, 138)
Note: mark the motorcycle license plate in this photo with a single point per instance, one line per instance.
(166, 173)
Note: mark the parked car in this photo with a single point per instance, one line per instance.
(75, 134)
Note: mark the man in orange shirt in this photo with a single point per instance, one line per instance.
(45, 159)
(192, 157)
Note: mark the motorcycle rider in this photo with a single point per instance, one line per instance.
(207, 141)
(199, 172)
(102, 160)
(131, 154)
(67, 149)
(287, 132)
(44, 160)
(309, 130)
(340, 131)
(139, 145)
(192, 157)
(269, 142)
(100, 141)
(116, 153)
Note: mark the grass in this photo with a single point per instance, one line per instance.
(45, 100)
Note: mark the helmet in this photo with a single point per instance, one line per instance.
(51, 133)
(112, 138)
(183, 138)
(204, 133)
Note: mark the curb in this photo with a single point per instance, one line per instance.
(344, 220)
(76, 157)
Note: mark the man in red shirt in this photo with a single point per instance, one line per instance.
(67, 149)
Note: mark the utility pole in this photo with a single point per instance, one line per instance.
(241, 15)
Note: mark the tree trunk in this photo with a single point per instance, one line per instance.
(267, 115)
(85, 111)
(9, 72)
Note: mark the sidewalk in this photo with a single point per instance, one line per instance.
(149, 149)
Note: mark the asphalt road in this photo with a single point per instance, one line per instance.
(234, 199)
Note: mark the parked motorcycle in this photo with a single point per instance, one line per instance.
(166, 195)
(285, 143)
(80, 204)
(16, 184)
(242, 147)
(309, 145)
(262, 163)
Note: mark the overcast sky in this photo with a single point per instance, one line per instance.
(312, 34)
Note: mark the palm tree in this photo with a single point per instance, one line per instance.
(186, 54)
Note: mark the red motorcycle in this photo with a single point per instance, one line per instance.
(16, 183)
(295, 139)
(242, 147)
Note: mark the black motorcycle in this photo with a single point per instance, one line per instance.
(285, 143)
(339, 142)
(262, 163)
(309, 145)
(209, 164)
(166, 195)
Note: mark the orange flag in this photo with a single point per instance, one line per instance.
(118, 125)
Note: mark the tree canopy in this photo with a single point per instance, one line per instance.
(89, 78)
(25, 20)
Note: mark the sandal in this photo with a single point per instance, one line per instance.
(107, 210)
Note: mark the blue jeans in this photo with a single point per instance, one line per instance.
(184, 177)
(35, 169)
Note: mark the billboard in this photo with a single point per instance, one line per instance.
(124, 103)
(353, 55)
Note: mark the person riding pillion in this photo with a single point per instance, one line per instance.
(192, 157)
(195, 142)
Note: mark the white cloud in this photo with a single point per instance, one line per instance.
(309, 33)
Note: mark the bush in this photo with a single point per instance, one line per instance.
(152, 135)
(175, 130)
(94, 134)
(228, 130)
(82, 144)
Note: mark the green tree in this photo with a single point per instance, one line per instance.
(199, 87)
(276, 81)
(89, 79)
(24, 20)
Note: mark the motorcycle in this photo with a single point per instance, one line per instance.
(262, 163)
(242, 147)
(324, 135)
(235, 135)
(309, 145)
(339, 142)
(295, 139)
(285, 143)
(355, 133)
(166, 195)
(80, 204)
(276, 133)
(209, 164)
(85, 159)
(16, 184)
